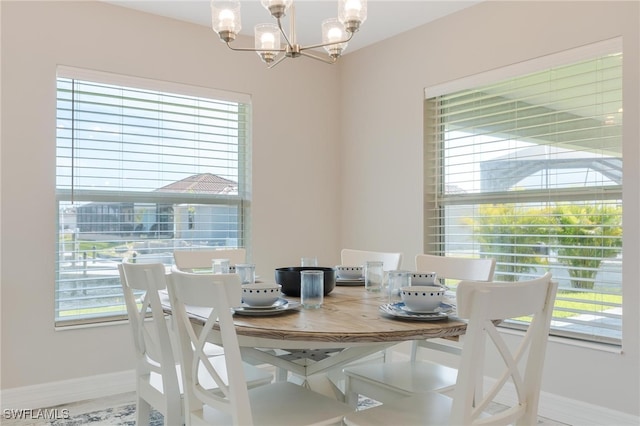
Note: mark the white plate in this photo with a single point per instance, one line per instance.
(346, 281)
(276, 308)
(394, 311)
(444, 308)
(278, 303)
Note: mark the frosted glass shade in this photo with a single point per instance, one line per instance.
(333, 31)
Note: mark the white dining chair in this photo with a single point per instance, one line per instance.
(351, 257)
(404, 378)
(188, 260)
(484, 304)
(449, 268)
(158, 381)
(278, 403)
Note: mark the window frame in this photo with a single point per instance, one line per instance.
(436, 201)
(240, 201)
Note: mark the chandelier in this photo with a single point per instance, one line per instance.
(336, 32)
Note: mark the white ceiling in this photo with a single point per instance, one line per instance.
(385, 18)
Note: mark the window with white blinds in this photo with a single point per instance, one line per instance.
(142, 168)
(528, 170)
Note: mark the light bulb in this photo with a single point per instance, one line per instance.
(226, 18)
(352, 8)
(334, 34)
(267, 41)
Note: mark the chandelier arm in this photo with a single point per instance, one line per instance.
(251, 49)
(314, 46)
(326, 60)
(284, 34)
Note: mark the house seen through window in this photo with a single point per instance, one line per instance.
(143, 168)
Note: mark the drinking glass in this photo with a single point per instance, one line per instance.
(309, 261)
(373, 274)
(220, 266)
(397, 280)
(247, 272)
(311, 289)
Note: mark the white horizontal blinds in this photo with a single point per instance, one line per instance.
(528, 170)
(126, 139)
(139, 173)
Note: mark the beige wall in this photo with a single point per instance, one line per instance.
(295, 172)
(382, 148)
(357, 126)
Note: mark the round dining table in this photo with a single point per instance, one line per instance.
(347, 327)
(350, 316)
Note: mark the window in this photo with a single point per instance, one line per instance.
(528, 170)
(143, 167)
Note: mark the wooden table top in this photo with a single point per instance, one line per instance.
(348, 315)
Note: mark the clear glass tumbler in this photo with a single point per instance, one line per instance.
(308, 261)
(373, 275)
(397, 280)
(220, 266)
(311, 289)
(247, 272)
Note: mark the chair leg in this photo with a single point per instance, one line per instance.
(174, 414)
(282, 375)
(143, 412)
(350, 397)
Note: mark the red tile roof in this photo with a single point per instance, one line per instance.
(203, 183)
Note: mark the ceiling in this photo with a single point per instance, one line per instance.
(385, 18)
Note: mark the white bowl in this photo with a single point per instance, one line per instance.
(420, 298)
(261, 294)
(423, 278)
(349, 272)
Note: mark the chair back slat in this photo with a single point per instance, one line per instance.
(188, 260)
(451, 268)
(351, 257)
(508, 299)
(457, 268)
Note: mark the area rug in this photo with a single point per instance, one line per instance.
(125, 415)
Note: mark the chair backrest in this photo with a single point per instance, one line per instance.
(151, 336)
(457, 268)
(218, 292)
(351, 257)
(187, 260)
(484, 304)
(453, 268)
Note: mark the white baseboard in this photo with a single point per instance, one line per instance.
(67, 391)
(579, 413)
(571, 411)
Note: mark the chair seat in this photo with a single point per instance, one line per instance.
(430, 408)
(284, 403)
(388, 381)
